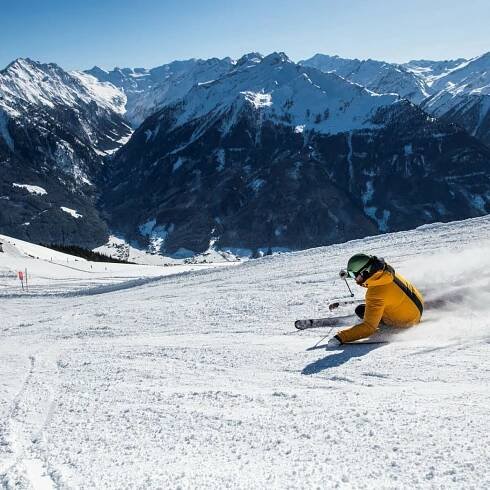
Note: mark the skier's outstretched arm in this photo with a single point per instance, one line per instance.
(372, 316)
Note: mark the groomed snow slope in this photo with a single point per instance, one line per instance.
(200, 381)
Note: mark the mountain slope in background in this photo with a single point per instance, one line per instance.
(378, 76)
(54, 130)
(279, 155)
(456, 90)
(149, 90)
(430, 70)
(463, 95)
(257, 153)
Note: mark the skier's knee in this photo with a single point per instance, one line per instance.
(360, 311)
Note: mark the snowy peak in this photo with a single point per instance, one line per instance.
(455, 89)
(98, 72)
(285, 93)
(276, 58)
(429, 70)
(26, 65)
(471, 77)
(31, 82)
(457, 76)
(249, 59)
(332, 64)
(123, 78)
(378, 76)
(83, 107)
(36, 83)
(147, 91)
(462, 94)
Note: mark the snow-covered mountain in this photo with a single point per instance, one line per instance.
(280, 155)
(378, 76)
(95, 107)
(463, 95)
(283, 92)
(148, 90)
(255, 153)
(457, 90)
(468, 76)
(28, 81)
(55, 127)
(430, 70)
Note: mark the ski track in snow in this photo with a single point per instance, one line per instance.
(199, 380)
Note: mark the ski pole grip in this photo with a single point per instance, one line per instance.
(343, 274)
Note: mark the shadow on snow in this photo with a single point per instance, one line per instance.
(339, 357)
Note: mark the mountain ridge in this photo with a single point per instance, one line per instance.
(244, 168)
(259, 152)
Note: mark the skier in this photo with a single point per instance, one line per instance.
(390, 299)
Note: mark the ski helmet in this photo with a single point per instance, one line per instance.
(359, 263)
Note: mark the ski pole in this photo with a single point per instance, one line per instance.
(343, 275)
(323, 338)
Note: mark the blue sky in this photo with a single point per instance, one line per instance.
(108, 33)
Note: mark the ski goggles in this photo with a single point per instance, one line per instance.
(353, 275)
(358, 274)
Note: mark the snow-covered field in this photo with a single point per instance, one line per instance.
(55, 273)
(199, 380)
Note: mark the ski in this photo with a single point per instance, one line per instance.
(357, 342)
(366, 342)
(333, 321)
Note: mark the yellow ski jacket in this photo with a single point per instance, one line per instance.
(387, 301)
